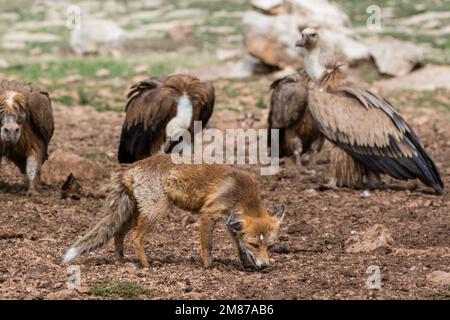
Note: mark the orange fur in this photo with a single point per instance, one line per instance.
(149, 188)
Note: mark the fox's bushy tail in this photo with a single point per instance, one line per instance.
(120, 207)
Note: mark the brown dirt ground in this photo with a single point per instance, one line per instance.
(35, 232)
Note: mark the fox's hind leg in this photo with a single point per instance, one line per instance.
(118, 239)
(139, 236)
(207, 225)
(146, 219)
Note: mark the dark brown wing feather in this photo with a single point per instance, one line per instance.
(369, 129)
(147, 113)
(40, 108)
(288, 101)
(289, 113)
(207, 108)
(151, 105)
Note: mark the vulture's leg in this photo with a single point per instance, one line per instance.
(316, 146)
(374, 180)
(33, 168)
(348, 172)
(295, 146)
(298, 152)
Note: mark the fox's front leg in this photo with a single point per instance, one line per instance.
(207, 225)
(33, 169)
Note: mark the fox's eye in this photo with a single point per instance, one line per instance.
(253, 245)
(270, 247)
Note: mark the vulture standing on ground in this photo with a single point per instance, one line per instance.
(158, 110)
(27, 125)
(371, 138)
(289, 113)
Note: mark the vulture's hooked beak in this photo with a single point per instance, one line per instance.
(301, 42)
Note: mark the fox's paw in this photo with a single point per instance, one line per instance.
(32, 193)
(207, 264)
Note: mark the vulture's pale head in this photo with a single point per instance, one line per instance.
(309, 39)
(12, 116)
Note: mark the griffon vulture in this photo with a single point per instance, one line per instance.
(27, 126)
(370, 136)
(289, 113)
(158, 110)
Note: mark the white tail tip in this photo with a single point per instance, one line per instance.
(71, 254)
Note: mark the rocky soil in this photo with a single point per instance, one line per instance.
(330, 240)
(327, 241)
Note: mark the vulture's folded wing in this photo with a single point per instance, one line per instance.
(41, 114)
(207, 107)
(288, 100)
(149, 109)
(143, 86)
(369, 129)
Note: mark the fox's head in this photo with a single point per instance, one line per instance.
(255, 235)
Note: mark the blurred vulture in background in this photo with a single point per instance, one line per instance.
(289, 113)
(27, 126)
(158, 110)
(370, 136)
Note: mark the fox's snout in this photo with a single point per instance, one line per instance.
(257, 258)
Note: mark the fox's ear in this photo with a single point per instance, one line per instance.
(234, 223)
(279, 212)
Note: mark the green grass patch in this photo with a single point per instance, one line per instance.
(437, 99)
(441, 294)
(65, 100)
(260, 103)
(86, 67)
(211, 7)
(118, 289)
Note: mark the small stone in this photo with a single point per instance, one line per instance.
(61, 163)
(439, 277)
(141, 68)
(63, 295)
(366, 194)
(280, 248)
(102, 73)
(374, 238)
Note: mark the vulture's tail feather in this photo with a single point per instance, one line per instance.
(429, 173)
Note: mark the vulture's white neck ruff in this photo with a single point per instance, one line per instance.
(316, 60)
(312, 64)
(182, 121)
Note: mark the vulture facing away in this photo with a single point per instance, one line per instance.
(27, 126)
(289, 113)
(158, 110)
(370, 136)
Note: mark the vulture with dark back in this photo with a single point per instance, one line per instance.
(289, 113)
(27, 126)
(158, 110)
(371, 138)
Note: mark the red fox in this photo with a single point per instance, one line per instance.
(144, 192)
